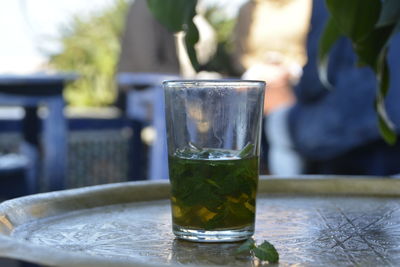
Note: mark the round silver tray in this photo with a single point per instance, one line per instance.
(312, 221)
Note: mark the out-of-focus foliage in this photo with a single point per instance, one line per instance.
(177, 16)
(370, 25)
(91, 47)
(223, 25)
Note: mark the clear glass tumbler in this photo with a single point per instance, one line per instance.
(213, 136)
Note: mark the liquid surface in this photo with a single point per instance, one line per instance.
(213, 189)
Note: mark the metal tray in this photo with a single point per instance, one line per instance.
(312, 221)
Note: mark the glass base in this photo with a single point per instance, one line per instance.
(233, 235)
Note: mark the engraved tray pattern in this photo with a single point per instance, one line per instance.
(307, 230)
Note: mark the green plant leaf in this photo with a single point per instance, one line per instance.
(372, 52)
(370, 24)
(177, 15)
(386, 126)
(329, 37)
(191, 38)
(266, 252)
(355, 18)
(174, 14)
(371, 47)
(390, 13)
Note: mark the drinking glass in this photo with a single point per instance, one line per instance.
(213, 137)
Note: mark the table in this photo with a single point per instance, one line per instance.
(49, 150)
(312, 221)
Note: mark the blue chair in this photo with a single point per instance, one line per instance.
(45, 140)
(142, 100)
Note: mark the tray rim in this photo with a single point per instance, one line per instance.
(14, 212)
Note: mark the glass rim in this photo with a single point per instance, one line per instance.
(217, 82)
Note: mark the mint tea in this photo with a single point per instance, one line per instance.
(213, 190)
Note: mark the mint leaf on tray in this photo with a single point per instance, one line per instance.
(265, 252)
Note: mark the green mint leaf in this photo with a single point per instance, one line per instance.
(246, 246)
(194, 147)
(246, 151)
(266, 252)
(216, 221)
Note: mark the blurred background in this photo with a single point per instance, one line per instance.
(40, 40)
(66, 35)
(81, 103)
